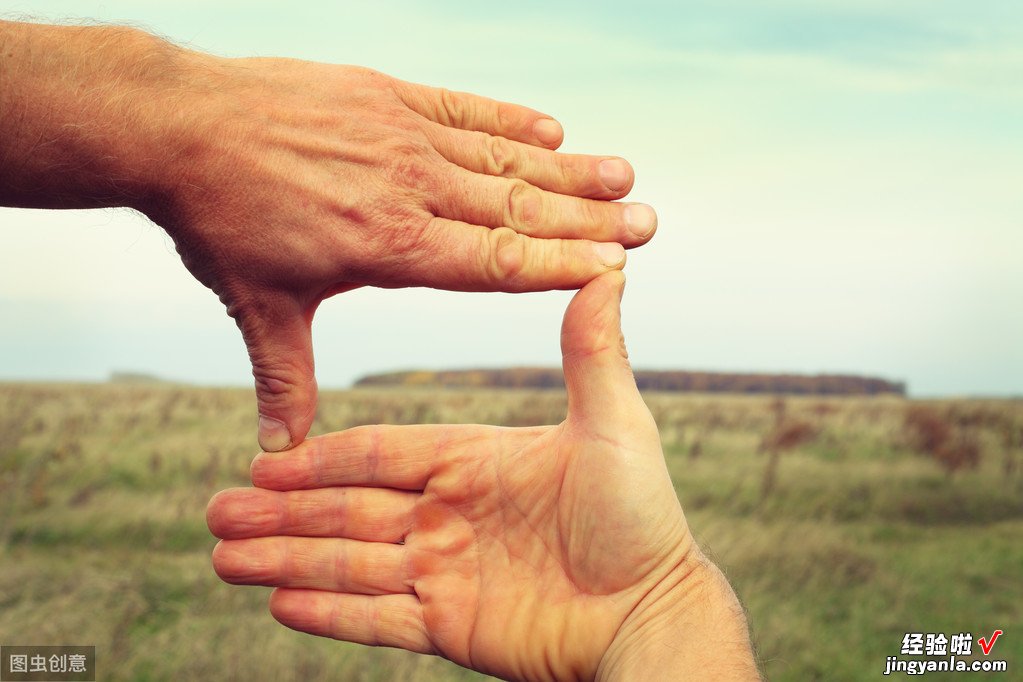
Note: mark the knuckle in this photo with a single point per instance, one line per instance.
(278, 377)
(501, 158)
(524, 205)
(599, 215)
(453, 108)
(371, 619)
(340, 567)
(556, 254)
(409, 164)
(505, 255)
(508, 117)
(407, 237)
(575, 175)
(380, 82)
(274, 384)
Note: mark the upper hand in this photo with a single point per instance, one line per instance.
(292, 181)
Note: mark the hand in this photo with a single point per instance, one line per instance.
(533, 553)
(312, 179)
(285, 182)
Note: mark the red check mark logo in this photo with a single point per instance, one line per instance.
(988, 644)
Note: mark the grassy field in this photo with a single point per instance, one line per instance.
(842, 523)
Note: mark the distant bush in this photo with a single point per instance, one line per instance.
(787, 434)
(927, 428)
(932, 433)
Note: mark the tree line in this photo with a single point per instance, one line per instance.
(647, 380)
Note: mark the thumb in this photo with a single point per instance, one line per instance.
(280, 348)
(601, 389)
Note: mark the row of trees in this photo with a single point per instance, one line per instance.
(648, 380)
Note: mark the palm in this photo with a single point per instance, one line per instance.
(518, 552)
(512, 556)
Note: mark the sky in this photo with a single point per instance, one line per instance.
(839, 188)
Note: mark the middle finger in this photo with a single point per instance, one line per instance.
(330, 564)
(580, 175)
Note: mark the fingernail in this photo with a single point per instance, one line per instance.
(614, 173)
(610, 254)
(273, 434)
(548, 131)
(640, 219)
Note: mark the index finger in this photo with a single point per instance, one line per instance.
(401, 457)
(472, 112)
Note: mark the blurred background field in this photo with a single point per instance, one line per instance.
(842, 522)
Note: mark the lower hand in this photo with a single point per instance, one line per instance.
(556, 552)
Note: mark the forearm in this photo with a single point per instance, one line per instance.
(83, 115)
(694, 629)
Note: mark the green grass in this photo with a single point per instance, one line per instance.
(859, 539)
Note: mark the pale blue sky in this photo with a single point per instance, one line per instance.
(838, 185)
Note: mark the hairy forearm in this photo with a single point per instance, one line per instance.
(83, 114)
(692, 629)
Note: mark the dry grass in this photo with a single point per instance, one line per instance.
(103, 491)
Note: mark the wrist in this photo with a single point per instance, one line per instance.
(83, 115)
(691, 626)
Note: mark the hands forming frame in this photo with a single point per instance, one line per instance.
(553, 552)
